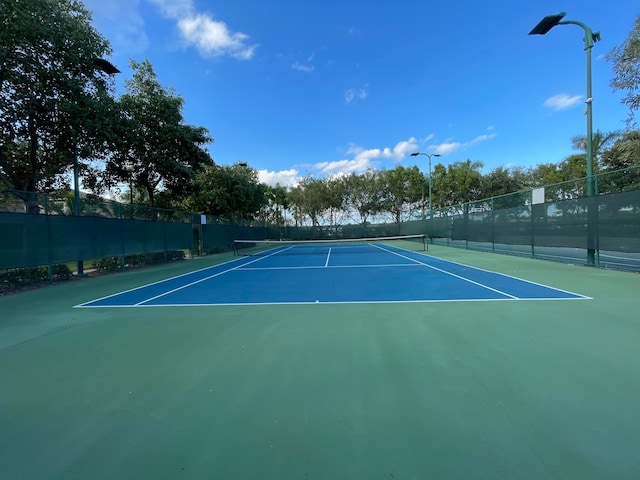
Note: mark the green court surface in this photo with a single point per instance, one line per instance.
(523, 389)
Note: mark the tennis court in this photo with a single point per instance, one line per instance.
(380, 270)
(443, 363)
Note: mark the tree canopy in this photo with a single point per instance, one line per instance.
(50, 89)
(152, 143)
(59, 111)
(626, 70)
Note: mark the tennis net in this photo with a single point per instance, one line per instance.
(322, 247)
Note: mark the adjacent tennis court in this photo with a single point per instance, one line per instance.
(434, 363)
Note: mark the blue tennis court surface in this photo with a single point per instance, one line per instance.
(291, 275)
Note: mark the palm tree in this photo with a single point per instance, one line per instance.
(465, 178)
(600, 143)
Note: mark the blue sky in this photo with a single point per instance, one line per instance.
(323, 88)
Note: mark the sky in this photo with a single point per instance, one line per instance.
(296, 88)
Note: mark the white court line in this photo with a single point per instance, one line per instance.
(311, 267)
(511, 276)
(162, 281)
(208, 278)
(415, 263)
(449, 273)
(341, 302)
(328, 257)
(604, 255)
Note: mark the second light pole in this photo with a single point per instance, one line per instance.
(415, 154)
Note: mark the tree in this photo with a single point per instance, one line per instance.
(439, 186)
(281, 199)
(276, 204)
(626, 70)
(152, 144)
(363, 195)
(296, 202)
(464, 181)
(620, 158)
(402, 190)
(334, 198)
(228, 191)
(600, 142)
(51, 93)
(500, 182)
(311, 198)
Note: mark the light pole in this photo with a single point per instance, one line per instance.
(543, 26)
(415, 154)
(130, 168)
(106, 67)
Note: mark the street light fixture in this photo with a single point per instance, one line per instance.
(109, 68)
(543, 26)
(415, 154)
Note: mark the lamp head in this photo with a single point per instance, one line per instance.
(546, 24)
(106, 66)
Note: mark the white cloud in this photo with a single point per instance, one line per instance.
(480, 138)
(174, 8)
(210, 37)
(562, 101)
(450, 147)
(444, 148)
(213, 38)
(355, 94)
(343, 167)
(403, 148)
(285, 178)
(302, 68)
(364, 159)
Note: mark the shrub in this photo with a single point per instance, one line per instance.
(61, 272)
(107, 264)
(19, 278)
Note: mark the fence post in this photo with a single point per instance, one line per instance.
(493, 219)
(49, 252)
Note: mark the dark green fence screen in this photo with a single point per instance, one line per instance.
(557, 222)
(33, 240)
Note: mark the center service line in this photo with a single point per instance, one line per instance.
(326, 264)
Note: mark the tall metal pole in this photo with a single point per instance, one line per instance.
(430, 188)
(76, 195)
(131, 193)
(429, 155)
(107, 67)
(590, 37)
